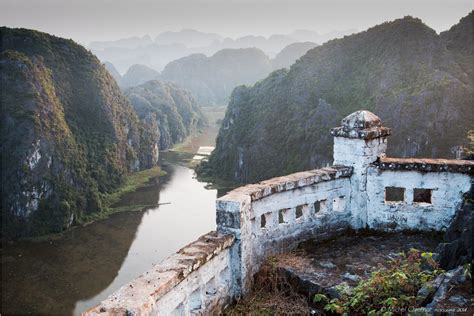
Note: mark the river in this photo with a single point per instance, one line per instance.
(71, 273)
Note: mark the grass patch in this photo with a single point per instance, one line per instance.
(133, 182)
(185, 144)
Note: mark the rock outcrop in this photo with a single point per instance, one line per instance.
(456, 248)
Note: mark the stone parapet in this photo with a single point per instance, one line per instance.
(145, 294)
(425, 165)
(290, 182)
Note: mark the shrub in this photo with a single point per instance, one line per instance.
(391, 289)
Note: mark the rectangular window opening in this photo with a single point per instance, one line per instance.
(211, 287)
(319, 206)
(263, 221)
(195, 300)
(281, 216)
(299, 211)
(422, 195)
(394, 194)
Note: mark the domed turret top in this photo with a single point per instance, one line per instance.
(361, 120)
(361, 124)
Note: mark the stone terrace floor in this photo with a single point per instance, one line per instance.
(319, 266)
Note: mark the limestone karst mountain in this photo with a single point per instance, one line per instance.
(113, 72)
(138, 74)
(418, 81)
(68, 134)
(288, 55)
(459, 41)
(212, 79)
(173, 110)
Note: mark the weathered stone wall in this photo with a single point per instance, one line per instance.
(447, 189)
(195, 280)
(359, 154)
(275, 215)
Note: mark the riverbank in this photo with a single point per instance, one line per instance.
(132, 183)
(75, 270)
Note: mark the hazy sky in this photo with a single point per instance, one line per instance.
(90, 20)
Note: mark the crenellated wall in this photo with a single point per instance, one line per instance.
(364, 189)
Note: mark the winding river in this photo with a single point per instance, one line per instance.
(82, 267)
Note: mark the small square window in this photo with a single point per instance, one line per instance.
(422, 195)
(394, 194)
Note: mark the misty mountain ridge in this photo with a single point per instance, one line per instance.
(212, 79)
(169, 46)
(188, 37)
(138, 74)
(419, 83)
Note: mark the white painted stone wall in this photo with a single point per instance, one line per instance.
(291, 217)
(206, 290)
(447, 196)
(359, 154)
(197, 280)
(276, 215)
(273, 216)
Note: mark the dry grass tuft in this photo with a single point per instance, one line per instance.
(271, 294)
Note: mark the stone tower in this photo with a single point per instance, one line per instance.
(359, 142)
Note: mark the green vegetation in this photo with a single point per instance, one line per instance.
(173, 110)
(402, 71)
(392, 289)
(68, 135)
(132, 182)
